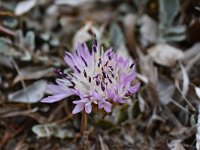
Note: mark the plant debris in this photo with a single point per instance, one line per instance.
(162, 36)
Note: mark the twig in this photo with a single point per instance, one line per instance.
(7, 31)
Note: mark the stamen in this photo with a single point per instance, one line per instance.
(68, 55)
(84, 61)
(99, 62)
(102, 87)
(131, 66)
(85, 74)
(104, 74)
(90, 79)
(72, 83)
(77, 53)
(60, 73)
(77, 69)
(109, 80)
(111, 68)
(97, 83)
(106, 63)
(94, 48)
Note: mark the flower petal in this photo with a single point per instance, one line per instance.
(54, 98)
(107, 106)
(55, 88)
(80, 101)
(88, 107)
(78, 108)
(134, 89)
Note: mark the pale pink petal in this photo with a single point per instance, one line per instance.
(107, 107)
(78, 108)
(54, 98)
(134, 89)
(88, 108)
(55, 88)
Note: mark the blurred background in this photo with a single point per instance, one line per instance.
(162, 35)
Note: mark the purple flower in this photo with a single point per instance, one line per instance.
(98, 78)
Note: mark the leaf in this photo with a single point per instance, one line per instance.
(141, 102)
(49, 130)
(73, 3)
(148, 30)
(165, 90)
(167, 11)
(178, 146)
(170, 31)
(82, 35)
(179, 29)
(105, 124)
(33, 73)
(24, 6)
(186, 81)
(118, 40)
(32, 94)
(117, 37)
(165, 54)
(123, 115)
(197, 89)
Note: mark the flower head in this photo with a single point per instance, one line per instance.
(98, 78)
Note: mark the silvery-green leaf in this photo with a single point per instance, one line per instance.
(29, 40)
(168, 9)
(197, 89)
(73, 3)
(32, 94)
(179, 29)
(175, 38)
(117, 37)
(49, 130)
(24, 6)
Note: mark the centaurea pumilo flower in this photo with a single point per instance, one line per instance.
(98, 78)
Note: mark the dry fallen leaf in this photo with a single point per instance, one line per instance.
(73, 3)
(82, 35)
(197, 89)
(178, 146)
(24, 6)
(165, 54)
(33, 73)
(148, 30)
(165, 89)
(32, 94)
(191, 52)
(186, 81)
